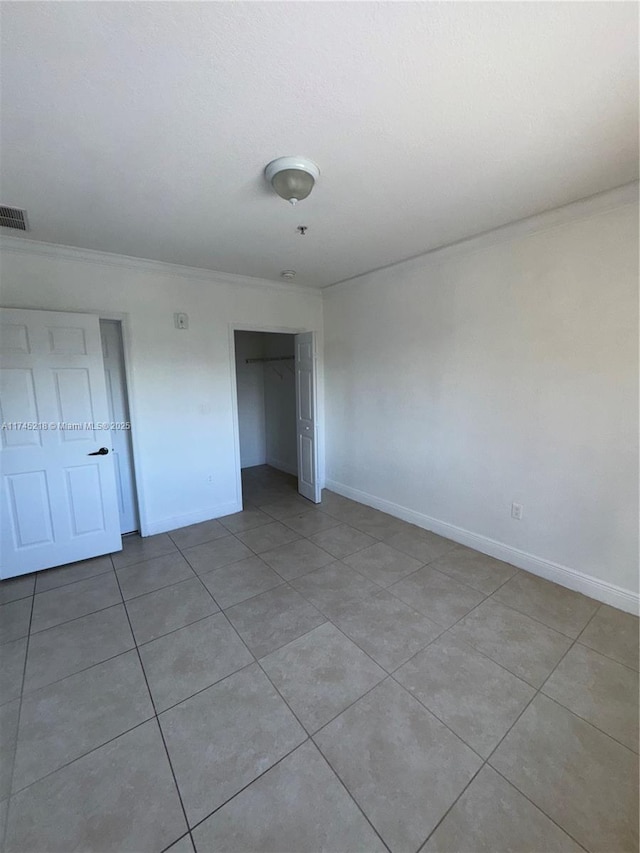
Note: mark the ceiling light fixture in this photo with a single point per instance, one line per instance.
(292, 177)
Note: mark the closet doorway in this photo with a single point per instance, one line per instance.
(276, 409)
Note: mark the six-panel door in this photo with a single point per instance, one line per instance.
(58, 503)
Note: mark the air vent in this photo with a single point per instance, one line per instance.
(12, 217)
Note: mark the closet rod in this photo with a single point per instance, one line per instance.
(275, 358)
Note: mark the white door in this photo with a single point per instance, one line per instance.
(307, 437)
(120, 439)
(57, 486)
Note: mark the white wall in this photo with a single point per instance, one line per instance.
(280, 404)
(251, 400)
(502, 370)
(181, 383)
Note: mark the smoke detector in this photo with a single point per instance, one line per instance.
(288, 274)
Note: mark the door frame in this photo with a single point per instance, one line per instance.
(127, 339)
(319, 396)
(127, 345)
(127, 342)
(123, 358)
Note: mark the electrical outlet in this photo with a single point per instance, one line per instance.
(516, 511)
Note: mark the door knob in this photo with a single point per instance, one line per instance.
(102, 452)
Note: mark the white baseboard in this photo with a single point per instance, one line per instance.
(608, 593)
(175, 521)
(282, 466)
(253, 462)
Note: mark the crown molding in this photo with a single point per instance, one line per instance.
(586, 208)
(58, 252)
(579, 210)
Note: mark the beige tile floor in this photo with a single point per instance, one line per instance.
(297, 679)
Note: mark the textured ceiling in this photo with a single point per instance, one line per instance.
(143, 128)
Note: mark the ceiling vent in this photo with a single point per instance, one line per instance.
(12, 217)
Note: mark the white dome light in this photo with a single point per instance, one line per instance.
(292, 177)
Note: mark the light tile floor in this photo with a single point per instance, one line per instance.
(297, 679)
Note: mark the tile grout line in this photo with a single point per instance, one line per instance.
(607, 657)
(177, 841)
(156, 716)
(487, 595)
(144, 559)
(588, 722)
(295, 716)
(186, 698)
(257, 663)
(111, 657)
(470, 645)
(248, 785)
(179, 628)
(539, 808)
(388, 674)
(83, 755)
(483, 759)
(285, 580)
(146, 642)
(387, 589)
(451, 807)
(155, 712)
(497, 746)
(310, 737)
(282, 521)
(30, 693)
(484, 654)
(204, 689)
(168, 586)
(318, 508)
(444, 631)
(14, 751)
(601, 604)
(301, 538)
(256, 659)
(535, 619)
(69, 583)
(93, 749)
(381, 588)
(106, 660)
(274, 589)
(181, 551)
(158, 588)
(199, 576)
(75, 618)
(14, 600)
(353, 799)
